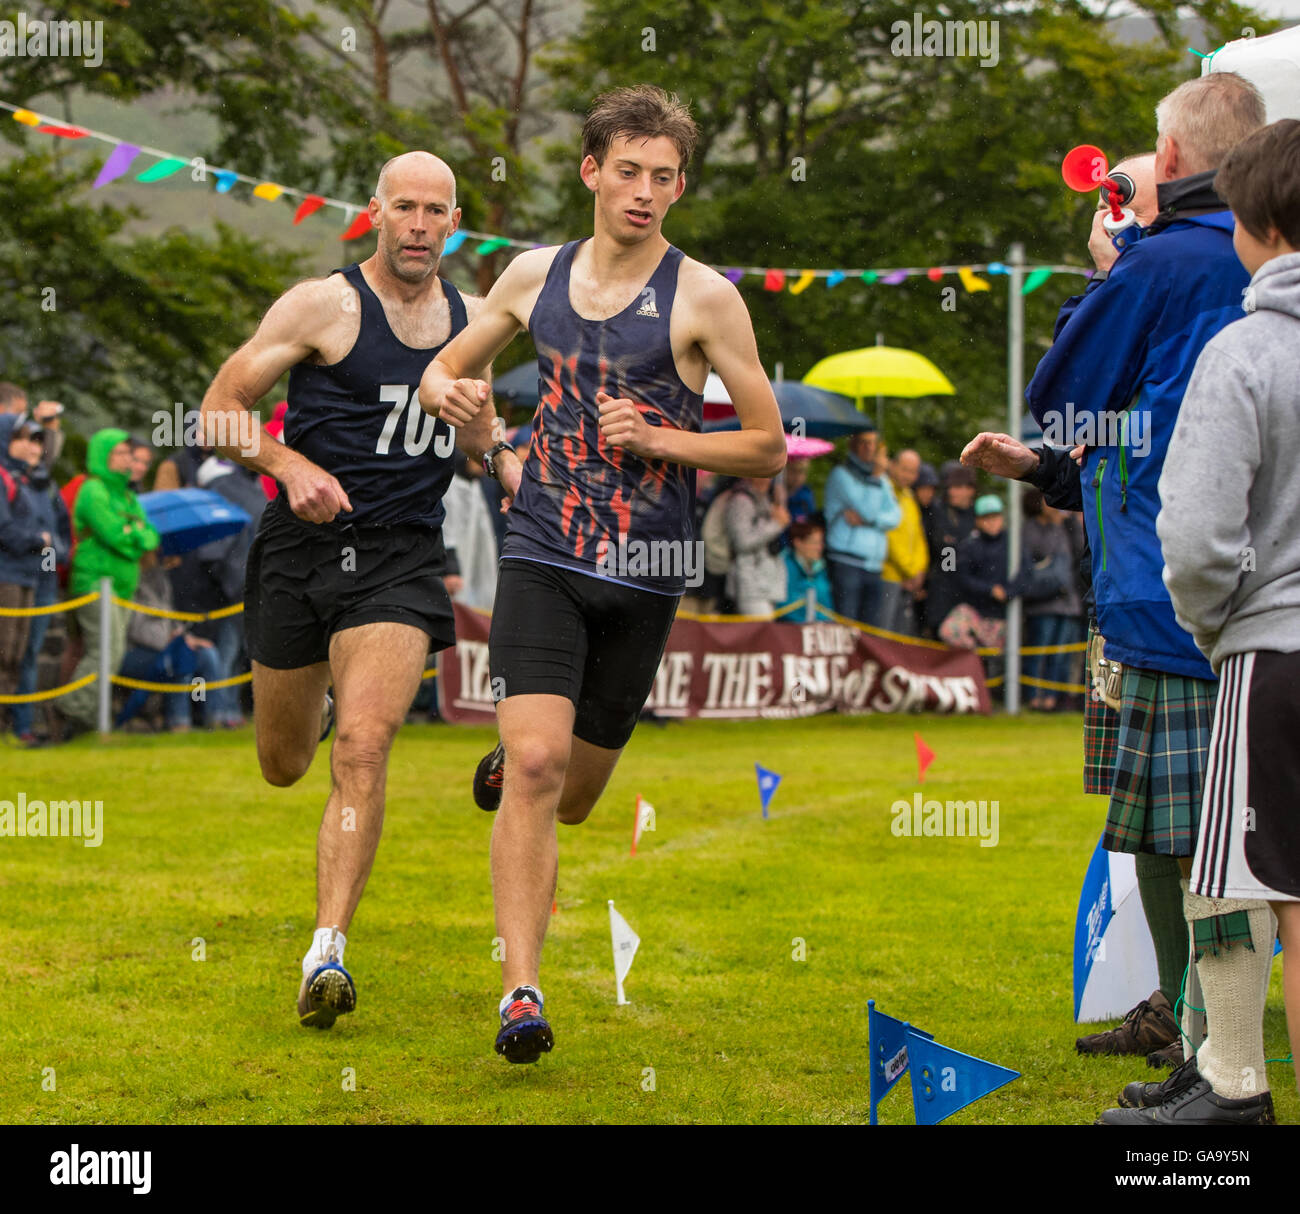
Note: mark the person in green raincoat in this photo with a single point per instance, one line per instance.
(112, 535)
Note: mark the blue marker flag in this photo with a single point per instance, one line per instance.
(767, 782)
(453, 242)
(945, 1080)
(887, 1045)
(225, 180)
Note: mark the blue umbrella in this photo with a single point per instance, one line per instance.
(810, 411)
(186, 519)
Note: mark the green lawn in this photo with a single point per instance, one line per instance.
(970, 943)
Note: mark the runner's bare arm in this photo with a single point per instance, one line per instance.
(453, 386)
(725, 334)
(482, 431)
(288, 333)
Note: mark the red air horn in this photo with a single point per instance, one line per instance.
(1084, 168)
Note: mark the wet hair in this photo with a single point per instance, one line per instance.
(643, 111)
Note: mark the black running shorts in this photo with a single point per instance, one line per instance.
(598, 644)
(305, 582)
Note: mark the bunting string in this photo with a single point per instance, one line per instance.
(357, 219)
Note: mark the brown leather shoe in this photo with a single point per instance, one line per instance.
(1170, 1056)
(1148, 1027)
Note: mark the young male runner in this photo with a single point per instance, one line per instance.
(626, 328)
(343, 582)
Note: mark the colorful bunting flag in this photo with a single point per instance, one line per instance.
(869, 276)
(894, 277)
(971, 282)
(1036, 280)
(27, 118)
(774, 280)
(63, 132)
(733, 276)
(934, 273)
(308, 206)
(454, 241)
(268, 190)
(834, 278)
(491, 245)
(805, 281)
(119, 160)
(225, 180)
(164, 168)
(359, 227)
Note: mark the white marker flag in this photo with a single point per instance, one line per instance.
(625, 946)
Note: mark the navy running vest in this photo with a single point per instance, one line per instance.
(360, 419)
(579, 496)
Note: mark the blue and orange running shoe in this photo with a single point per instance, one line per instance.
(525, 1036)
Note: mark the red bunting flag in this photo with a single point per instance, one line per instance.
(924, 757)
(934, 274)
(309, 206)
(67, 132)
(774, 280)
(360, 226)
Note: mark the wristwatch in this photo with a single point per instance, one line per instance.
(490, 457)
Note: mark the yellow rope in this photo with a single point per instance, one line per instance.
(193, 617)
(70, 605)
(142, 685)
(33, 696)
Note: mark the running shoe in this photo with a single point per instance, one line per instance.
(524, 1036)
(326, 993)
(488, 778)
(326, 717)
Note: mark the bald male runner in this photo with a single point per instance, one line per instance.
(343, 582)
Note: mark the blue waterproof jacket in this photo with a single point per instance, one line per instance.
(1114, 379)
(854, 486)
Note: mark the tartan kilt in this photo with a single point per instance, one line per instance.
(1100, 734)
(1160, 758)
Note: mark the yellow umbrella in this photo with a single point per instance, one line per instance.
(879, 371)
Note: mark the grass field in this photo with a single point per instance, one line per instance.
(971, 943)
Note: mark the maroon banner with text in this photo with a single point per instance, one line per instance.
(754, 669)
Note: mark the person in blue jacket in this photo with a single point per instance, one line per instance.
(806, 577)
(861, 510)
(1113, 383)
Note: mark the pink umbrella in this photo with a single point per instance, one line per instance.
(800, 448)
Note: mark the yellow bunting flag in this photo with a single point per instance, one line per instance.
(971, 281)
(27, 118)
(268, 190)
(805, 281)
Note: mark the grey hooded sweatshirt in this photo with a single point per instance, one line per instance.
(1229, 521)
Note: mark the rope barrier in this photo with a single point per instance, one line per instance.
(193, 617)
(69, 605)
